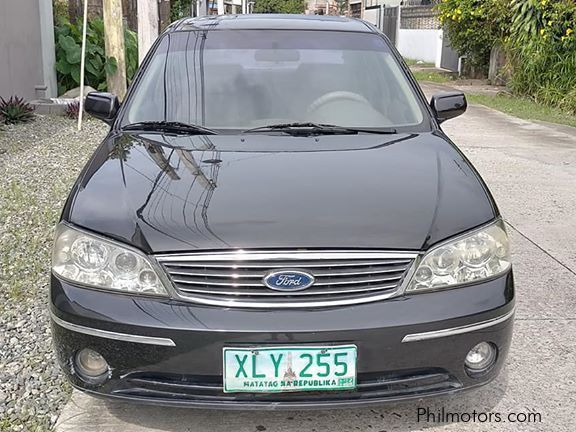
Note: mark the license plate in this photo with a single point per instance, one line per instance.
(288, 368)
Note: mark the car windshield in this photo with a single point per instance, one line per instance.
(244, 79)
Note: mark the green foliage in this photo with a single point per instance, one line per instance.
(131, 56)
(527, 20)
(474, 26)
(280, 6)
(542, 51)
(342, 6)
(68, 39)
(59, 10)
(539, 37)
(15, 110)
(180, 9)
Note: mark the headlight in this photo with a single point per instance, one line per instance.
(480, 255)
(96, 262)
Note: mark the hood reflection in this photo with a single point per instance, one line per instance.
(164, 193)
(201, 172)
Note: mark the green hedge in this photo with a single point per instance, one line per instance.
(473, 26)
(539, 37)
(279, 6)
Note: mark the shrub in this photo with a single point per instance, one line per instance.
(279, 6)
(72, 110)
(131, 53)
(68, 38)
(474, 26)
(15, 110)
(59, 10)
(180, 9)
(539, 37)
(542, 50)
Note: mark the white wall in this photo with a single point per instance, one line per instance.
(372, 16)
(27, 49)
(425, 45)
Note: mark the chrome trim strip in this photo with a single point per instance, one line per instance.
(286, 305)
(261, 274)
(308, 292)
(274, 264)
(112, 335)
(241, 255)
(247, 255)
(356, 281)
(415, 337)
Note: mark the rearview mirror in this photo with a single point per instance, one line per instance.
(448, 105)
(277, 56)
(103, 106)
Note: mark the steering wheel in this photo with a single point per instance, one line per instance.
(336, 96)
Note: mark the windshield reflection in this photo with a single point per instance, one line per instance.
(243, 79)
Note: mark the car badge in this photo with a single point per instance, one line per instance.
(288, 280)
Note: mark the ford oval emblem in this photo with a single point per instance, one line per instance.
(288, 280)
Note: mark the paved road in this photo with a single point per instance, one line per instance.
(531, 170)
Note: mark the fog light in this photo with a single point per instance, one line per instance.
(480, 357)
(91, 366)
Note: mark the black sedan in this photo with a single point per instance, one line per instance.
(277, 220)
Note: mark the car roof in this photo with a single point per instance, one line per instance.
(272, 22)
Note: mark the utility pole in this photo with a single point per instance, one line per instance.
(114, 41)
(83, 63)
(147, 26)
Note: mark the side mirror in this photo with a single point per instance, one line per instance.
(103, 106)
(448, 105)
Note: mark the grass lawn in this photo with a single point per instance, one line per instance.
(436, 77)
(523, 108)
(412, 62)
(516, 106)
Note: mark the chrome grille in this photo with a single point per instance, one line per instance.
(234, 278)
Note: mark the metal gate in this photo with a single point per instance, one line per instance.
(385, 18)
(449, 58)
(390, 22)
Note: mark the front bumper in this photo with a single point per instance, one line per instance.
(164, 351)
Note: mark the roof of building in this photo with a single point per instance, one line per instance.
(271, 22)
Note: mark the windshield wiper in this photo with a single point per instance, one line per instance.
(170, 127)
(309, 128)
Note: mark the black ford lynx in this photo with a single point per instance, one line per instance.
(276, 220)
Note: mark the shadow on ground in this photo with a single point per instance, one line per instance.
(401, 416)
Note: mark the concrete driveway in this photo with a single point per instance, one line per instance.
(531, 170)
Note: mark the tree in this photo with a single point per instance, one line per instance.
(342, 6)
(474, 26)
(279, 6)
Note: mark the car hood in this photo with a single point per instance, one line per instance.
(172, 194)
